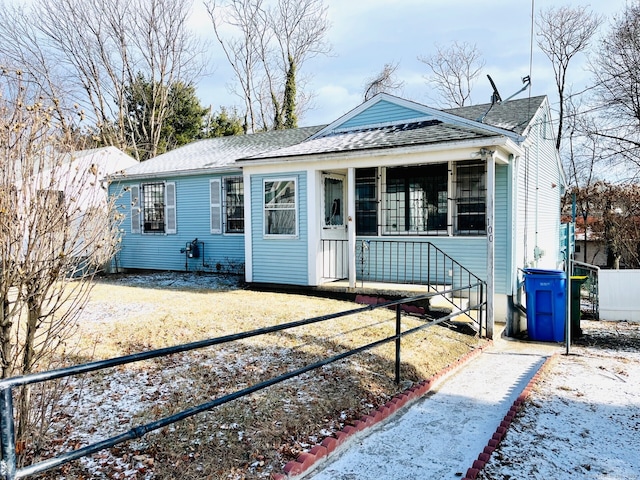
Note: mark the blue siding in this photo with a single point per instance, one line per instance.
(279, 260)
(223, 253)
(391, 259)
(382, 112)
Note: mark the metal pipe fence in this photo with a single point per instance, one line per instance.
(8, 465)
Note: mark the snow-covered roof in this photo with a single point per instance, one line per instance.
(403, 134)
(417, 125)
(218, 153)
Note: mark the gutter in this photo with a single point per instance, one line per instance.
(175, 173)
(502, 141)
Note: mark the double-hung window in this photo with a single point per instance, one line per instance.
(153, 208)
(280, 207)
(416, 199)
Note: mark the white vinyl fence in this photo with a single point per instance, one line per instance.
(619, 295)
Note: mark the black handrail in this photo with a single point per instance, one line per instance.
(404, 262)
(8, 467)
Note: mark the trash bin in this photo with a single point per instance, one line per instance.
(576, 284)
(546, 304)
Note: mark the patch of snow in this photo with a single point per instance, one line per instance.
(581, 420)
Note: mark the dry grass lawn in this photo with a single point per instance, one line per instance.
(248, 438)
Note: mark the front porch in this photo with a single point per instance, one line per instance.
(387, 269)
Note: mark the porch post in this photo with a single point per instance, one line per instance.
(491, 194)
(351, 224)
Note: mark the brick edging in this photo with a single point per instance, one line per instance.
(485, 456)
(329, 445)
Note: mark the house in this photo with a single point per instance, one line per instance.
(185, 208)
(59, 200)
(312, 205)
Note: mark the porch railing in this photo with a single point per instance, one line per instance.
(409, 262)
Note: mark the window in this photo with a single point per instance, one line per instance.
(333, 201)
(229, 200)
(416, 199)
(471, 195)
(234, 205)
(366, 201)
(153, 208)
(280, 207)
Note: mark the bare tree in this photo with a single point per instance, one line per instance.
(57, 229)
(617, 86)
(454, 69)
(385, 81)
(273, 40)
(564, 32)
(88, 53)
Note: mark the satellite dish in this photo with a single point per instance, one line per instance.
(495, 96)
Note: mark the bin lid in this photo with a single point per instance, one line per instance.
(541, 271)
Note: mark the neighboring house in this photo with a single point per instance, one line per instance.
(63, 196)
(590, 247)
(481, 183)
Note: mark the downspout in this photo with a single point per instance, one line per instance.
(488, 157)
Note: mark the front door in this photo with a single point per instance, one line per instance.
(335, 256)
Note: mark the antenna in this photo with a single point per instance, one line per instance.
(527, 82)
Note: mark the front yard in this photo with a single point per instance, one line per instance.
(247, 438)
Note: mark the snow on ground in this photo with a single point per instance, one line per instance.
(582, 420)
(178, 280)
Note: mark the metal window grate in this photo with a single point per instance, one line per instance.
(234, 205)
(153, 207)
(416, 200)
(471, 194)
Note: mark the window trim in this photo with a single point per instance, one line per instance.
(294, 208)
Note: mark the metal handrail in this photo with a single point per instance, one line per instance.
(8, 465)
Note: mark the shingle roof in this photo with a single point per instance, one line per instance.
(514, 115)
(220, 152)
(223, 152)
(398, 135)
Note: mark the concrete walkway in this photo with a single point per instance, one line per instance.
(441, 434)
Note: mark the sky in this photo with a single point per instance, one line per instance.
(367, 34)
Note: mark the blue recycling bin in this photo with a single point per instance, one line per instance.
(546, 304)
